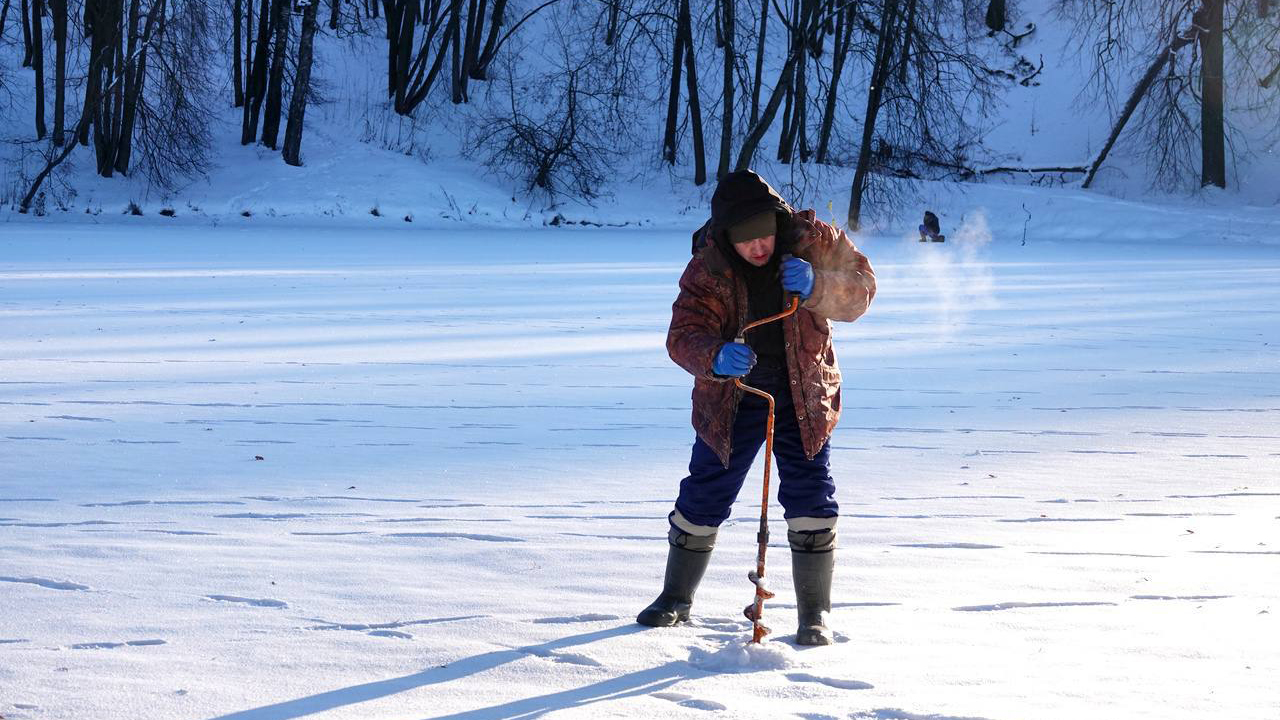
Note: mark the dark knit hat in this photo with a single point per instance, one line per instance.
(740, 196)
(756, 226)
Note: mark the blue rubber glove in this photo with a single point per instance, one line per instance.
(797, 277)
(734, 360)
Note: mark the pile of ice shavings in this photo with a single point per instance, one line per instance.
(744, 656)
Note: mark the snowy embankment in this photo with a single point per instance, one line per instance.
(1057, 469)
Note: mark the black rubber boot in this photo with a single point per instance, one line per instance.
(812, 564)
(687, 560)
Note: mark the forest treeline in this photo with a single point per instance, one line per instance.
(555, 91)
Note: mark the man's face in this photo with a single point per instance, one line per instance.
(757, 252)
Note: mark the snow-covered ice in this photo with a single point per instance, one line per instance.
(1057, 469)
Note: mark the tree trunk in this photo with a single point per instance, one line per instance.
(107, 30)
(695, 105)
(257, 78)
(728, 20)
(475, 34)
(840, 51)
(237, 72)
(123, 31)
(59, 8)
(673, 96)
(135, 78)
(491, 44)
(904, 59)
(759, 76)
(335, 8)
(422, 78)
(788, 112)
(275, 91)
(455, 37)
(301, 86)
(468, 46)
(26, 32)
(611, 31)
(94, 15)
(1179, 41)
(879, 74)
(402, 23)
(37, 60)
(4, 16)
(766, 118)
(1213, 168)
(996, 15)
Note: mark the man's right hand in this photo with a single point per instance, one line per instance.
(735, 359)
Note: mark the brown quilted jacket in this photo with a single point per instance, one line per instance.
(712, 309)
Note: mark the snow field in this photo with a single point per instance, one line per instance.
(1056, 466)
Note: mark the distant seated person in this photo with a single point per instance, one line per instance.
(930, 229)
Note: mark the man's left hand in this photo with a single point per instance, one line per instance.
(797, 277)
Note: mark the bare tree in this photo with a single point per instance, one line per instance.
(1162, 59)
(1178, 107)
(726, 21)
(37, 61)
(275, 88)
(4, 15)
(26, 33)
(562, 142)
(301, 86)
(842, 41)
(256, 81)
(758, 77)
(413, 64)
(927, 91)
(237, 70)
(138, 106)
(695, 103)
(1213, 158)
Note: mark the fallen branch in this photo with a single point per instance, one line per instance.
(1271, 76)
(1032, 170)
(1015, 38)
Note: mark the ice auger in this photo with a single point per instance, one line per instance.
(755, 611)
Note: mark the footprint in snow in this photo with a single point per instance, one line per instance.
(950, 546)
(263, 516)
(561, 657)
(45, 583)
(460, 536)
(114, 645)
(690, 701)
(1190, 598)
(896, 714)
(381, 628)
(1020, 605)
(830, 682)
(723, 625)
(585, 617)
(264, 602)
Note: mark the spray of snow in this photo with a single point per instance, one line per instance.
(743, 656)
(957, 278)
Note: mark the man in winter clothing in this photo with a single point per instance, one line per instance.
(739, 274)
